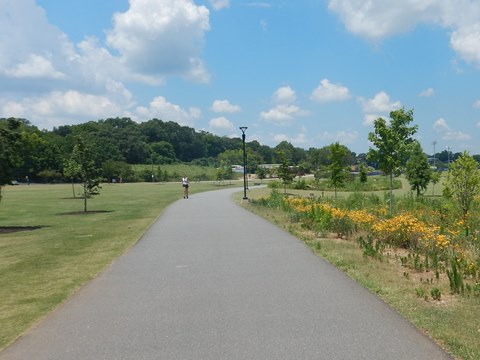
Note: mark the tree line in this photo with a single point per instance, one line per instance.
(115, 144)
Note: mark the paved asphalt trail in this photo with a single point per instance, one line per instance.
(211, 281)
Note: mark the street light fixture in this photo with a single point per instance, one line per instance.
(243, 128)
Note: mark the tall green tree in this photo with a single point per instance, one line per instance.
(418, 170)
(89, 173)
(392, 142)
(462, 183)
(338, 171)
(9, 150)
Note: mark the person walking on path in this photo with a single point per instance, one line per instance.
(185, 186)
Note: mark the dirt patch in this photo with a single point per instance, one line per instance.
(12, 229)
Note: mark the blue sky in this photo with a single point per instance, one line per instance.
(309, 72)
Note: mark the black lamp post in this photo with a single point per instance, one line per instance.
(243, 128)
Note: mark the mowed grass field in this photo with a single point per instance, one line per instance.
(41, 268)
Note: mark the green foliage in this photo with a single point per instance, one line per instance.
(224, 171)
(392, 143)
(462, 183)
(436, 294)
(118, 170)
(284, 172)
(418, 170)
(89, 174)
(371, 247)
(300, 184)
(50, 176)
(338, 171)
(261, 172)
(455, 277)
(363, 173)
(9, 152)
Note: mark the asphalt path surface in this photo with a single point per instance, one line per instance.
(210, 280)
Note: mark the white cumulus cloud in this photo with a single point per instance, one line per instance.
(220, 4)
(342, 136)
(327, 92)
(35, 66)
(285, 95)
(297, 140)
(282, 114)
(427, 93)
(285, 109)
(162, 109)
(376, 20)
(224, 106)
(441, 126)
(378, 106)
(62, 108)
(162, 37)
(221, 123)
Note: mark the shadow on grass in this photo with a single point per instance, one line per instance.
(89, 212)
(12, 229)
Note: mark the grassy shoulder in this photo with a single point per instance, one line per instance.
(41, 268)
(450, 321)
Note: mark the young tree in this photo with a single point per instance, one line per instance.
(462, 183)
(71, 170)
(363, 173)
(338, 173)
(224, 171)
(88, 174)
(392, 143)
(435, 178)
(283, 170)
(261, 173)
(418, 170)
(9, 152)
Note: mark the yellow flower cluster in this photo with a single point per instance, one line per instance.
(404, 230)
(298, 204)
(338, 213)
(362, 217)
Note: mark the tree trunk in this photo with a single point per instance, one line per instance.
(73, 189)
(85, 197)
(391, 193)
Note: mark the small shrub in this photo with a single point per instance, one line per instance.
(370, 247)
(455, 278)
(436, 294)
(420, 292)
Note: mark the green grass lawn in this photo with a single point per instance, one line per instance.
(41, 268)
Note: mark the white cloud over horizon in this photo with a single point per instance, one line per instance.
(162, 109)
(222, 124)
(379, 106)
(285, 109)
(441, 126)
